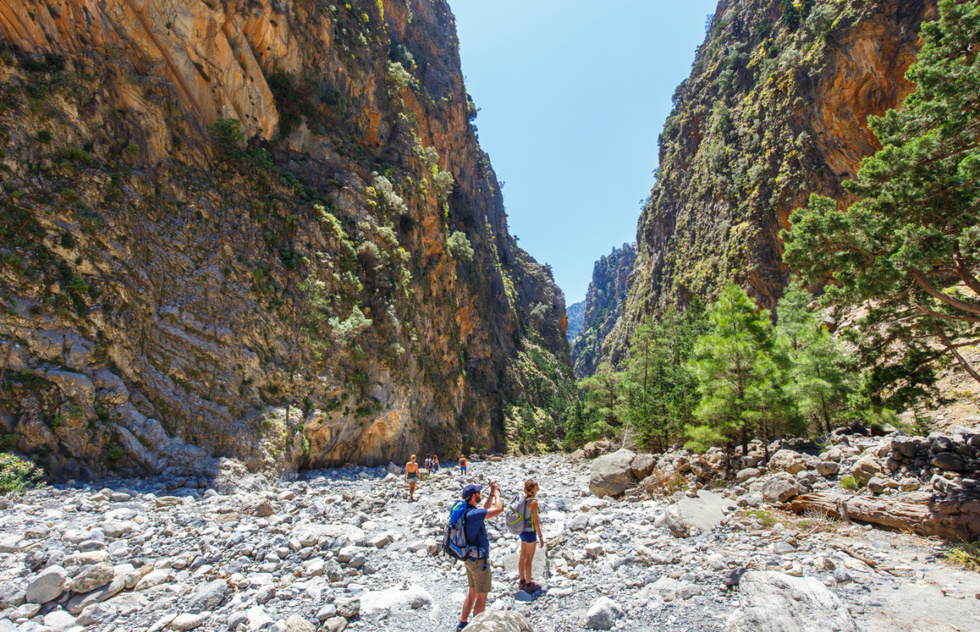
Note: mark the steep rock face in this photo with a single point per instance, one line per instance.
(603, 307)
(576, 320)
(775, 108)
(335, 284)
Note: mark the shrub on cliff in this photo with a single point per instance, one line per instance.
(17, 474)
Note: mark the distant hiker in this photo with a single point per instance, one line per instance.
(435, 463)
(530, 534)
(411, 477)
(478, 570)
(428, 462)
(462, 466)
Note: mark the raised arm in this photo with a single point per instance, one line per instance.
(498, 505)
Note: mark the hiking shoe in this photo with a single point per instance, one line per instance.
(531, 587)
(461, 625)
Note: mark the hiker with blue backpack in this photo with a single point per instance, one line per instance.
(466, 539)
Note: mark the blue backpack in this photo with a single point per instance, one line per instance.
(454, 542)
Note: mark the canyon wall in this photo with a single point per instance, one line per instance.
(262, 230)
(775, 108)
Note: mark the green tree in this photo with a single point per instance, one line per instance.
(820, 367)
(731, 364)
(659, 388)
(603, 403)
(911, 244)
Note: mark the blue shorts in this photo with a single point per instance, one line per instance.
(462, 470)
(529, 536)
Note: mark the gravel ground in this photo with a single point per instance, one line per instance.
(291, 555)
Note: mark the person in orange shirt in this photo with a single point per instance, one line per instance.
(462, 466)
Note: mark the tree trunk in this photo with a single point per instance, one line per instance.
(949, 519)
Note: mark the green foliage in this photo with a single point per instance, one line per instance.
(733, 365)
(965, 555)
(347, 330)
(17, 474)
(603, 407)
(116, 452)
(661, 390)
(227, 136)
(849, 483)
(911, 244)
(77, 155)
(459, 246)
(764, 517)
(721, 376)
(821, 375)
(399, 76)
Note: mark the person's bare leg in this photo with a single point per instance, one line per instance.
(481, 603)
(524, 564)
(468, 603)
(411, 491)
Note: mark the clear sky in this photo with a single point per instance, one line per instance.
(573, 95)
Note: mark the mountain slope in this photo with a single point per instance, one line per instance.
(603, 307)
(332, 283)
(775, 108)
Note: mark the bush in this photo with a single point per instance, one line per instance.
(17, 474)
(459, 246)
(77, 155)
(398, 75)
(116, 452)
(764, 517)
(227, 135)
(849, 483)
(965, 555)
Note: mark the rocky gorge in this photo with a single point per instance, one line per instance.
(343, 549)
(775, 108)
(255, 230)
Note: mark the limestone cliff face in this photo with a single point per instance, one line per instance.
(603, 306)
(775, 108)
(332, 283)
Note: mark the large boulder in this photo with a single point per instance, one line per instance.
(828, 468)
(612, 474)
(865, 469)
(775, 602)
(780, 488)
(949, 461)
(692, 516)
(643, 465)
(787, 461)
(499, 621)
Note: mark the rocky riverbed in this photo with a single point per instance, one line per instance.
(343, 549)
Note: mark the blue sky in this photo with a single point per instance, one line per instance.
(572, 96)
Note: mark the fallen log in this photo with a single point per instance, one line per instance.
(949, 519)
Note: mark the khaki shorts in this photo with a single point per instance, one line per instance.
(478, 575)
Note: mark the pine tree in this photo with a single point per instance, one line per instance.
(821, 369)
(603, 403)
(731, 363)
(911, 245)
(660, 389)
